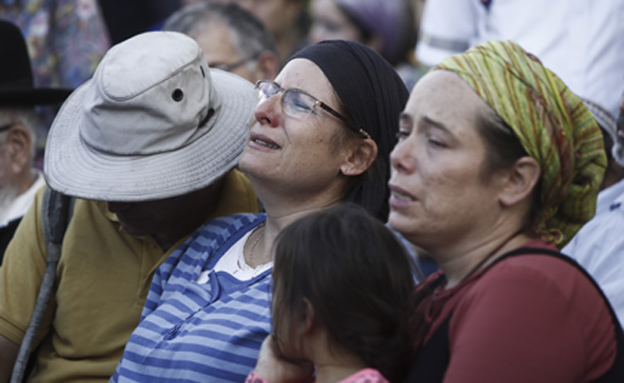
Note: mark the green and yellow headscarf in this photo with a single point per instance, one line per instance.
(552, 124)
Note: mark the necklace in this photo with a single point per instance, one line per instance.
(432, 305)
(253, 247)
(491, 254)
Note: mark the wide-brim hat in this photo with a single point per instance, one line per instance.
(154, 122)
(16, 79)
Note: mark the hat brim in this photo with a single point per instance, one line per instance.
(31, 97)
(74, 168)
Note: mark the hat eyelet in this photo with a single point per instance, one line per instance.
(177, 95)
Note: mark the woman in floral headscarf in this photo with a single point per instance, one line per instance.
(497, 166)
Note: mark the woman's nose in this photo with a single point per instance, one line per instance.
(401, 157)
(267, 111)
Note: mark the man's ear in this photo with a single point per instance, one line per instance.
(267, 66)
(18, 144)
(361, 158)
(520, 180)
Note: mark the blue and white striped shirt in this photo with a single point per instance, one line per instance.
(192, 332)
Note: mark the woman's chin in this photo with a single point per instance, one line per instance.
(253, 160)
(248, 163)
(397, 220)
(401, 224)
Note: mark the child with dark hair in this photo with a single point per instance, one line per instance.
(341, 302)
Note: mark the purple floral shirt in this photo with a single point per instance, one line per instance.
(66, 40)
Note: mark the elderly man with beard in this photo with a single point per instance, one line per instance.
(19, 181)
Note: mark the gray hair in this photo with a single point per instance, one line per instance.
(608, 126)
(249, 35)
(26, 116)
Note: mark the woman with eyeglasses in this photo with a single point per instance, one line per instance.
(322, 135)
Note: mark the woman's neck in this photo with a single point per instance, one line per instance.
(476, 247)
(284, 205)
(458, 267)
(282, 201)
(261, 241)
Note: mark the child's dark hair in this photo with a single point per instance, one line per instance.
(356, 275)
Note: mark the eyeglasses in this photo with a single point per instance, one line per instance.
(298, 104)
(6, 127)
(231, 67)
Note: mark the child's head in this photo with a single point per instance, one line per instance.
(351, 272)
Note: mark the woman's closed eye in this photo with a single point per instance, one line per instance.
(436, 142)
(406, 124)
(297, 102)
(301, 106)
(402, 134)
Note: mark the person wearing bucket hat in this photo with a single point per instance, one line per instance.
(321, 135)
(148, 148)
(19, 180)
(497, 166)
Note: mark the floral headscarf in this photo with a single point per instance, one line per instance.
(552, 124)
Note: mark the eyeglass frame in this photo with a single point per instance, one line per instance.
(243, 61)
(6, 127)
(359, 131)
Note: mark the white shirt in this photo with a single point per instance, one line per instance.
(582, 41)
(599, 248)
(233, 262)
(22, 203)
(607, 197)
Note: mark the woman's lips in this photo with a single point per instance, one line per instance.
(262, 142)
(400, 197)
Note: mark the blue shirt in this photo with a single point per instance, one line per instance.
(599, 248)
(193, 332)
(607, 197)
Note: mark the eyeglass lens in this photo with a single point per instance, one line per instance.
(299, 104)
(295, 103)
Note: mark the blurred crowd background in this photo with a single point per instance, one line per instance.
(67, 38)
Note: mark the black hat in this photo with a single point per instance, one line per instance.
(16, 80)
